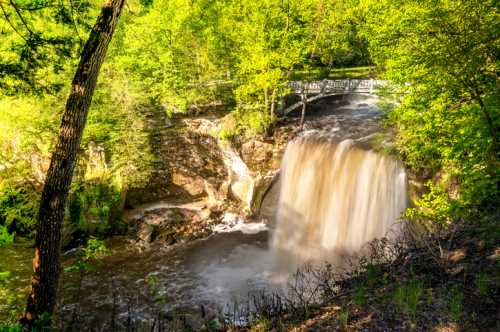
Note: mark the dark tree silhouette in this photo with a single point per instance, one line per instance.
(46, 264)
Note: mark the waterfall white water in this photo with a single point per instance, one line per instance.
(334, 198)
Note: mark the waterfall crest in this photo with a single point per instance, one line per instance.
(334, 198)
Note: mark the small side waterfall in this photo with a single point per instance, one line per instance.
(334, 198)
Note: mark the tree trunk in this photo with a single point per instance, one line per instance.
(273, 104)
(46, 264)
(266, 99)
(304, 106)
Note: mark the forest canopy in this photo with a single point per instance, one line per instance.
(181, 57)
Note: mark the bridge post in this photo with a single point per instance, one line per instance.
(323, 86)
(371, 86)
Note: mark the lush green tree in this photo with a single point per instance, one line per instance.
(337, 41)
(31, 109)
(444, 56)
(38, 39)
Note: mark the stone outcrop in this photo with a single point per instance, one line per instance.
(194, 164)
(173, 224)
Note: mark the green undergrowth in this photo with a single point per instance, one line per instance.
(245, 122)
(419, 288)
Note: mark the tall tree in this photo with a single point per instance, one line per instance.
(448, 118)
(46, 264)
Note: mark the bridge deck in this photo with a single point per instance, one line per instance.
(324, 88)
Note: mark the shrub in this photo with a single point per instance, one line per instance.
(5, 236)
(94, 250)
(482, 283)
(18, 208)
(247, 121)
(91, 207)
(435, 205)
(359, 296)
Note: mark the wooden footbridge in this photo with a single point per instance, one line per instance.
(314, 90)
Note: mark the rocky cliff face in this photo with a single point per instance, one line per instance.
(189, 164)
(194, 166)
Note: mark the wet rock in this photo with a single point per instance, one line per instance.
(215, 196)
(262, 186)
(195, 186)
(145, 233)
(240, 180)
(173, 224)
(257, 152)
(185, 156)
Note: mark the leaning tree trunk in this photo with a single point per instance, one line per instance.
(46, 264)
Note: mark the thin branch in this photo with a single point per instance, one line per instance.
(12, 25)
(34, 8)
(13, 4)
(74, 23)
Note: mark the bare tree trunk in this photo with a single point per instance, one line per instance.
(46, 264)
(266, 99)
(304, 106)
(273, 103)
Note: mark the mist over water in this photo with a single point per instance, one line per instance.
(334, 198)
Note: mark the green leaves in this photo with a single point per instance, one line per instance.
(92, 252)
(39, 40)
(448, 116)
(5, 238)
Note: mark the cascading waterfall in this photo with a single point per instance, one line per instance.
(334, 198)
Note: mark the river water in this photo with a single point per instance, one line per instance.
(334, 195)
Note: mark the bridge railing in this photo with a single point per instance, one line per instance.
(330, 86)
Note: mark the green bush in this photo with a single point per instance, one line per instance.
(18, 209)
(95, 249)
(5, 236)
(249, 121)
(91, 207)
(92, 252)
(359, 296)
(434, 205)
(483, 282)
(343, 318)
(11, 327)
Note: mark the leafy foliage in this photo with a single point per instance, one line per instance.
(92, 252)
(5, 237)
(444, 58)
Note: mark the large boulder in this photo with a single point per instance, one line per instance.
(173, 224)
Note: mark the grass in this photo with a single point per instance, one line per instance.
(456, 304)
(407, 296)
(343, 318)
(359, 296)
(482, 283)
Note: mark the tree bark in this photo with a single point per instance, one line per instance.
(304, 106)
(273, 104)
(46, 264)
